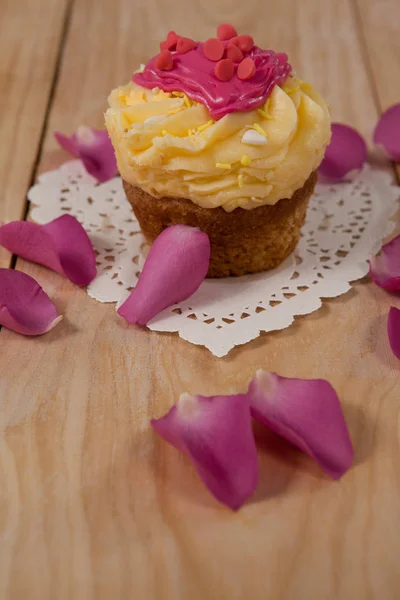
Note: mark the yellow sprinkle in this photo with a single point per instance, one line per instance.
(241, 180)
(164, 132)
(264, 114)
(122, 96)
(245, 160)
(177, 94)
(306, 87)
(290, 90)
(258, 128)
(297, 80)
(174, 111)
(144, 97)
(187, 101)
(223, 166)
(205, 126)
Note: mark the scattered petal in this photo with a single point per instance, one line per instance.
(346, 152)
(387, 132)
(62, 245)
(95, 150)
(175, 267)
(24, 306)
(216, 434)
(394, 330)
(307, 413)
(385, 268)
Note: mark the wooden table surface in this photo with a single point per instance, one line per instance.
(92, 505)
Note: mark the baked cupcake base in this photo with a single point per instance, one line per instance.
(242, 241)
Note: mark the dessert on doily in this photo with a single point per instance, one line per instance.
(222, 136)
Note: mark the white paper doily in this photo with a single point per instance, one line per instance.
(346, 223)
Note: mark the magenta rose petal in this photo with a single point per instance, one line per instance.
(393, 327)
(24, 306)
(387, 132)
(346, 152)
(62, 245)
(216, 434)
(308, 414)
(175, 267)
(385, 268)
(69, 143)
(95, 150)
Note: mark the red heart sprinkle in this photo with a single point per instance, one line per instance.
(246, 69)
(245, 42)
(164, 61)
(213, 49)
(226, 32)
(184, 45)
(170, 42)
(234, 53)
(224, 69)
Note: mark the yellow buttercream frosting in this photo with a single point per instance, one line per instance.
(170, 147)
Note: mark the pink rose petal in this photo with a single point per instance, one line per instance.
(387, 132)
(307, 413)
(95, 150)
(174, 269)
(393, 327)
(216, 434)
(62, 245)
(24, 306)
(385, 268)
(346, 152)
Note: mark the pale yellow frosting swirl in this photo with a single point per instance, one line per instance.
(170, 147)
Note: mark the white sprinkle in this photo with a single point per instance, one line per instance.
(253, 138)
(142, 67)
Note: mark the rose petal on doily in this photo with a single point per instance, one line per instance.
(175, 267)
(62, 245)
(385, 268)
(95, 150)
(24, 306)
(346, 152)
(387, 132)
(308, 414)
(216, 434)
(393, 327)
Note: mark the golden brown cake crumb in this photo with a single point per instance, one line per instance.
(242, 241)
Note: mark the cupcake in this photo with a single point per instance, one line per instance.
(221, 136)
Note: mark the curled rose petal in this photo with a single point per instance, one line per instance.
(393, 327)
(24, 306)
(346, 152)
(307, 413)
(385, 268)
(95, 150)
(62, 245)
(387, 132)
(176, 265)
(216, 434)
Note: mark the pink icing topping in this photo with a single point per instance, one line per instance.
(193, 74)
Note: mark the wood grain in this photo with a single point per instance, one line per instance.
(380, 27)
(30, 37)
(92, 504)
